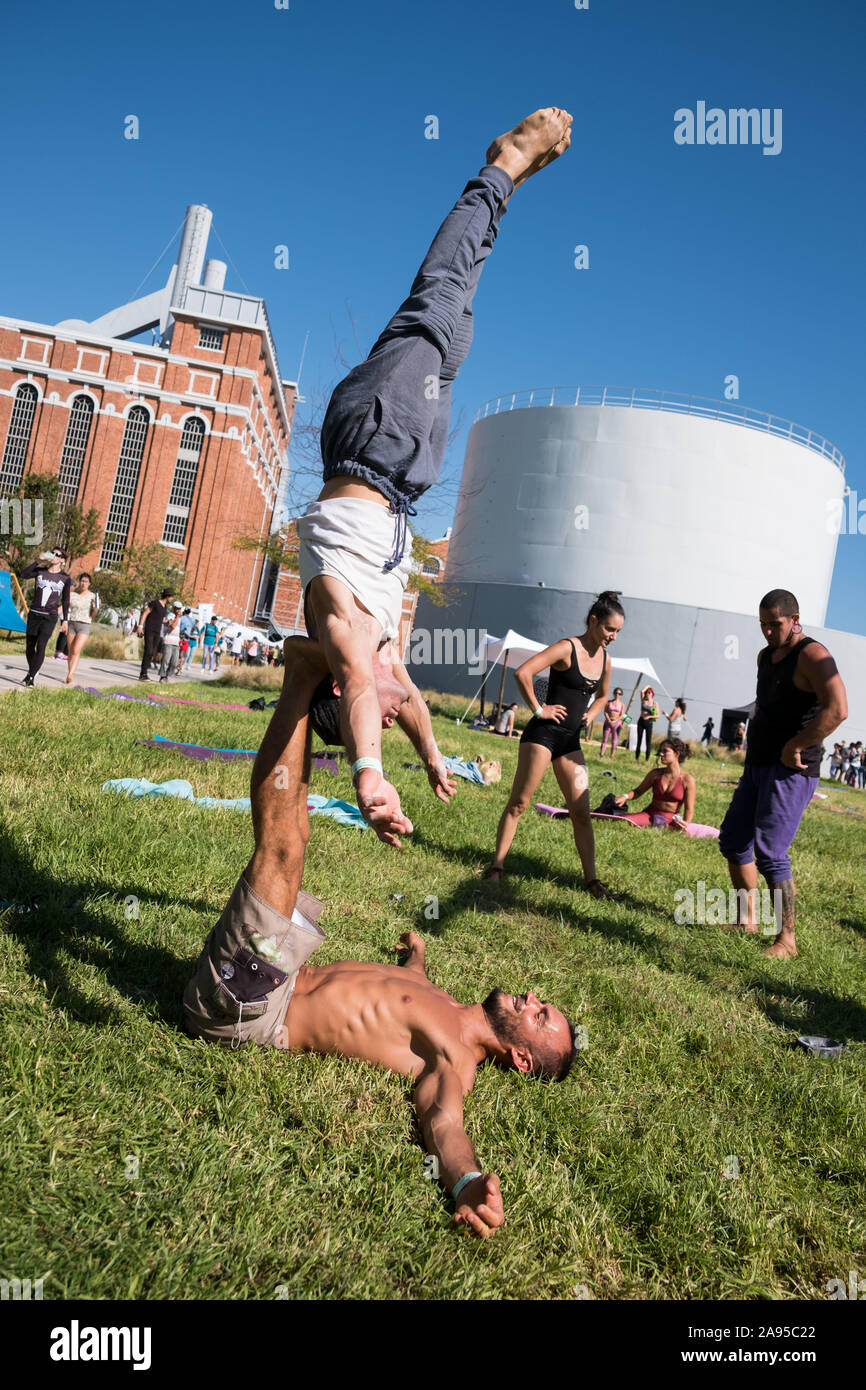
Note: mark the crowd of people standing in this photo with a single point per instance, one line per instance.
(848, 764)
(173, 634)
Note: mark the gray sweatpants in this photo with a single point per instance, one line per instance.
(387, 421)
(168, 665)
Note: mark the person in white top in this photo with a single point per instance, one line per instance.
(170, 642)
(505, 722)
(83, 607)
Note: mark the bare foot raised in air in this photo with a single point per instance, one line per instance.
(534, 143)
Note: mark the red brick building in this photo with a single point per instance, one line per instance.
(183, 442)
(437, 559)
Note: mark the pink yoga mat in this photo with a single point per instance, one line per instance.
(694, 831)
(155, 699)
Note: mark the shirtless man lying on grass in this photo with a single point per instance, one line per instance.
(251, 984)
(383, 443)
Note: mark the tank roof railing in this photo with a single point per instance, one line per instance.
(651, 399)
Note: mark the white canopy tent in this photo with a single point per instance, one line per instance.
(516, 649)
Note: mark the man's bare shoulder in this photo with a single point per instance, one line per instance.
(815, 666)
(450, 1062)
(814, 653)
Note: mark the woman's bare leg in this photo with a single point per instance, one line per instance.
(570, 772)
(76, 647)
(532, 762)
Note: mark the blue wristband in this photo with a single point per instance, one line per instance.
(459, 1186)
(361, 763)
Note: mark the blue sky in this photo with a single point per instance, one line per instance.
(305, 127)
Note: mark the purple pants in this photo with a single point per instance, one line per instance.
(763, 818)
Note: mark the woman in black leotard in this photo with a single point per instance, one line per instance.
(579, 685)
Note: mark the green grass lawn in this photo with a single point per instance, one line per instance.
(138, 1163)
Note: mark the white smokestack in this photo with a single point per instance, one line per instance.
(193, 246)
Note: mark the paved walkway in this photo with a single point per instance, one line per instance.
(98, 671)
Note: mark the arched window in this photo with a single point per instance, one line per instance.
(74, 449)
(125, 485)
(18, 438)
(432, 566)
(183, 484)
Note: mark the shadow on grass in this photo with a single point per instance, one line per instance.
(523, 868)
(514, 894)
(62, 925)
(810, 1011)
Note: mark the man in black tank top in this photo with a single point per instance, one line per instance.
(800, 700)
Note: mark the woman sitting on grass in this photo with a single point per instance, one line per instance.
(505, 722)
(671, 789)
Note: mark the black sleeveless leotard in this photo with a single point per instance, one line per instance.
(576, 692)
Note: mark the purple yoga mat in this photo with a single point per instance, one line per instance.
(200, 752)
(325, 764)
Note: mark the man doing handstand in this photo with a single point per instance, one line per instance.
(383, 442)
(251, 983)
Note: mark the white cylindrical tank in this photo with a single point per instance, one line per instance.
(214, 275)
(659, 503)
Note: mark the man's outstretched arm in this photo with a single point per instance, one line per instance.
(414, 720)
(348, 637)
(439, 1106)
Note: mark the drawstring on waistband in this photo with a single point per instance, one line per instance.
(401, 533)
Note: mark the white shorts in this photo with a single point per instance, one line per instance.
(352, 540)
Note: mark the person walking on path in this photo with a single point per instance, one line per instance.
(208, 644)
(170, 644)
(150, 627)
(800, 700)
(185, 628)
(192, 639)
(579, 684)
(707, 735)
(51, 596)
(83, 607)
